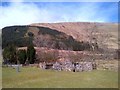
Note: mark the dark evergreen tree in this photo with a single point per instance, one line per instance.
(31, 54)
(9, 53)
(22, 56)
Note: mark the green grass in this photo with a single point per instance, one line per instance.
(32, 77)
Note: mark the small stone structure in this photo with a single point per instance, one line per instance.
(69, 66)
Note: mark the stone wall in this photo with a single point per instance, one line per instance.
(82, 66)
(69, 66)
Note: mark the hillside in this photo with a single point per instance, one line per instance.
(41, 37)
(66, 35)
(73, 41)
(106, 33)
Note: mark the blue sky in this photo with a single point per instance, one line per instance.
(19, 13)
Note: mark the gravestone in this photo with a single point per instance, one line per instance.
(17, 68)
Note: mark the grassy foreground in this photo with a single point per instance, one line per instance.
(32, 77)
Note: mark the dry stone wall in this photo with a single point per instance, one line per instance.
(69, 66)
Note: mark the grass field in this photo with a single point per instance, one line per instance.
(32, 77)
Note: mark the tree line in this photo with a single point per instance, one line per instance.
(13, 56)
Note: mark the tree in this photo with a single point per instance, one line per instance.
(31, 54)
(22, 56)
(9, 53)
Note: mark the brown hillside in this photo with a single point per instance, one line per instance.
(81, 31)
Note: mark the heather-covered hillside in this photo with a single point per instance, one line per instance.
(41, 37)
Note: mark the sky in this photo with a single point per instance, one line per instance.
(24, 13)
